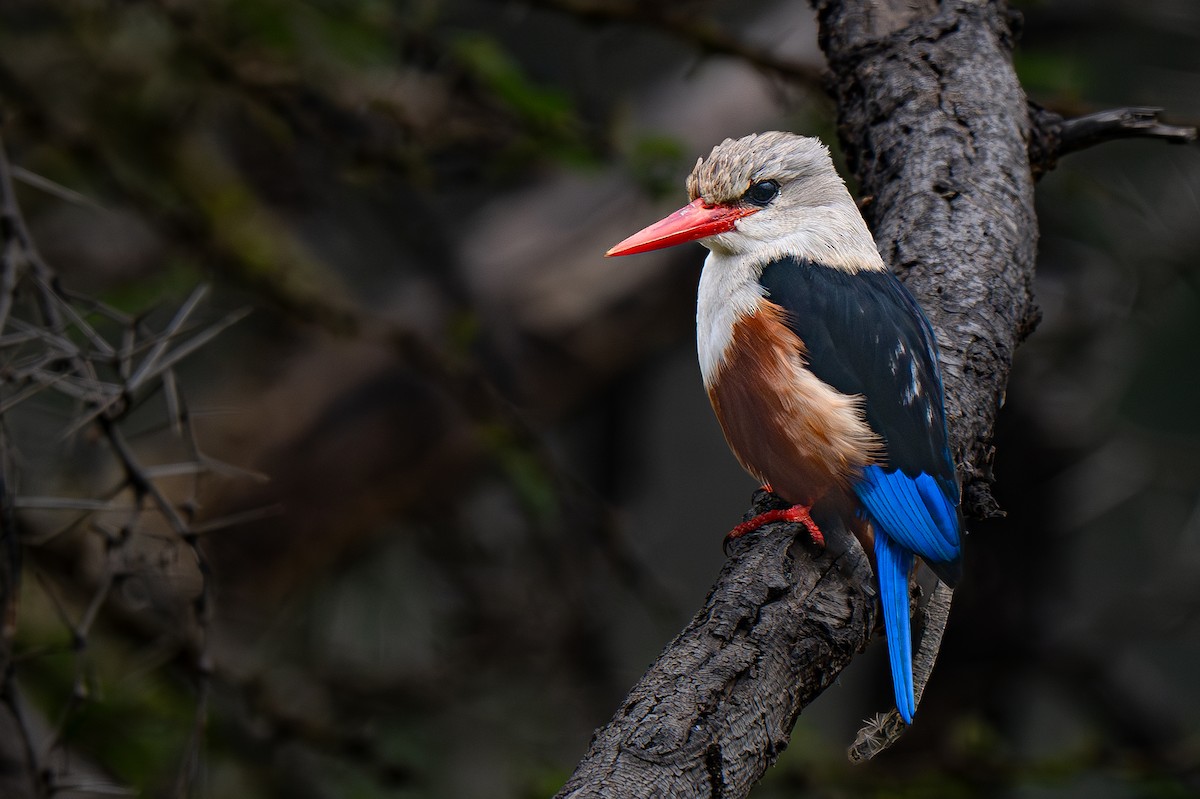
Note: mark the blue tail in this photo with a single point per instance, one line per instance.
(893, 563)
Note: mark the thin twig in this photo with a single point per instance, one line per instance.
(54, 188)
(135, 473)
(80, 323)
(10, 218)
(66, 503)
(1053, 136)
(884, 729)
(10, 697)
(234, 519)
(1121, 123)
(32, 390)
(157, 364)
(164, 341)
(689, 28)
(175, 410)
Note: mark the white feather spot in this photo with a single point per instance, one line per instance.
(895, 358)
(915, 378)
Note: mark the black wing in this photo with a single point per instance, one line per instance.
(865, 334)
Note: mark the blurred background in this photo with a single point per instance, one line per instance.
(473, 482)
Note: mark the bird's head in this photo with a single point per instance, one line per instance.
(767, 194)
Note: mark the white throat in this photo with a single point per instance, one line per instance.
(729, 289)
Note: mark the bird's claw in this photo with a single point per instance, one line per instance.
(797, 514)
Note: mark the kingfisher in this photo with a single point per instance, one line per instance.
(821, 367)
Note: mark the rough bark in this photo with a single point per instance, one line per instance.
(936, 129)
(718, 706)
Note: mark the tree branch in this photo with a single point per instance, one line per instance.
(690, 29)
(719, 704)
(57, 349)
(886, 728)
(1055, 136)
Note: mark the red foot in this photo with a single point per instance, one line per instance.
(797, 514)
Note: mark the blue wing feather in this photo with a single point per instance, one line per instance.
(893, 562)
(913, 510)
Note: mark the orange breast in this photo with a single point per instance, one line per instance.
(785, 426)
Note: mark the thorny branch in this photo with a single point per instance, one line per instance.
(106, 364)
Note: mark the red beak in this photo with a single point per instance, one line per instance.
(693, 221)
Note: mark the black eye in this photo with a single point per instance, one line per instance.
(762, 193)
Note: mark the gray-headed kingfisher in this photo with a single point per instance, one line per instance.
(821, 367)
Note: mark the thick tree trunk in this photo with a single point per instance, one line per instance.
(936, 128)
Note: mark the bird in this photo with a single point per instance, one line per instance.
(820, 366)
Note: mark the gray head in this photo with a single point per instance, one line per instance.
(801, 205)
(735, 165)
